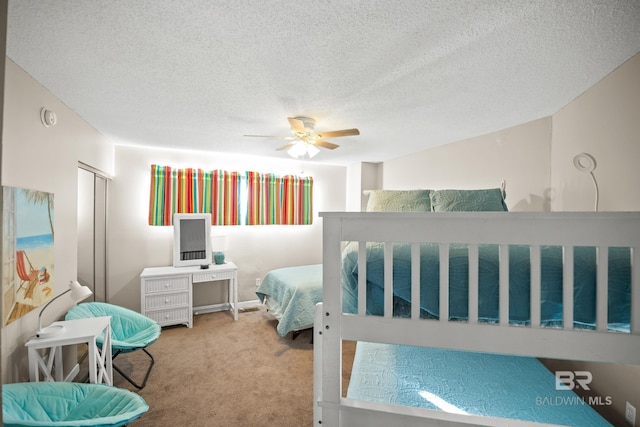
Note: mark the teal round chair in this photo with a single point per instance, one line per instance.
(58, 404)
(130, 331)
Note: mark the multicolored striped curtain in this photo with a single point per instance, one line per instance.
(225, 197)
(279, 200)
(193, 191)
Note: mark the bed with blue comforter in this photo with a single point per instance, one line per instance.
(291, 294)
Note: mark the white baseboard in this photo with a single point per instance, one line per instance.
(249, 305)
(243, 305)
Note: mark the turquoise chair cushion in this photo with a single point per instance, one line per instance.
(69, 404)
(130, 330)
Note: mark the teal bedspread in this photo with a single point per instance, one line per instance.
(519, 283)
(291, 295)
(465, 382)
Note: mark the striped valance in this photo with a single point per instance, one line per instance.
(270, 199)
(264, 199)
(193, 191)
(279, 200)
(297, 200)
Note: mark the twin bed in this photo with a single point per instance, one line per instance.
(450, 311)
(291, 294)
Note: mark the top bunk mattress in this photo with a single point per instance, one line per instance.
(484, 384)
(585, 266)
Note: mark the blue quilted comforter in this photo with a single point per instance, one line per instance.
(466, 382)
(519, 283)
(291, 295)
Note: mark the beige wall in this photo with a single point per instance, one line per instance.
(134, 245)
(536, 158)
(518, 155)
(45, 159)
(360, 177)
(605, 122)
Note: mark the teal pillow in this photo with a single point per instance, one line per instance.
(398, 200)
(468, 200)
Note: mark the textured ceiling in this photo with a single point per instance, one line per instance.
(410, 74)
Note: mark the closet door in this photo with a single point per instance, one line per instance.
(92, 230)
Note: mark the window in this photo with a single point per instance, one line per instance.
(269, 199)
(193, 191)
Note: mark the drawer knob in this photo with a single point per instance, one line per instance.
(213, 276)
(166, 301)
(166, 316)
(166, 286)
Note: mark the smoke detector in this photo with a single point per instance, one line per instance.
(48, 117)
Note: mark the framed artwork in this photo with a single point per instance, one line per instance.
(27, 251)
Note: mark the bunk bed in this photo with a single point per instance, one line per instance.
(485, 284)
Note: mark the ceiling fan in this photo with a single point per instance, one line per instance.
(305, 141)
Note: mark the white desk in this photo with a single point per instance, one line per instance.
(166, 293)
(75, 332)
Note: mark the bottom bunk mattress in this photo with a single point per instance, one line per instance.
(466, 382)
(291, 294)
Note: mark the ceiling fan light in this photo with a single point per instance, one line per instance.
(312, 150)
(297, 150)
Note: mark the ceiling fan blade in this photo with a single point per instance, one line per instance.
(337, 133)
(326, 144)
(297, 125)
(285, 146)
(271, 136)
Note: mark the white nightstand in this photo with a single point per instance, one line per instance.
(80, 331)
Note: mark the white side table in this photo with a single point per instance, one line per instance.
(80, 331)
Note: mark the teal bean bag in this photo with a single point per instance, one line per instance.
(69, 404)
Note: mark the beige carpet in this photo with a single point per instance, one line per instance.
(227, 373)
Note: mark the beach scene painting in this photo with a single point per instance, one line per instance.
(27, 251)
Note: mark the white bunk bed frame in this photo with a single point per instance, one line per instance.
(568, 230)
